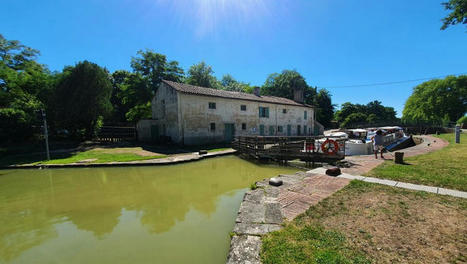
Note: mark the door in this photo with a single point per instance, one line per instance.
(305, 132)
(289, 130)
(299, 130)
(229, 132)
(261, 130)
(271, 130)
(154, 132)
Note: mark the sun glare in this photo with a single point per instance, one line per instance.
(209, 16)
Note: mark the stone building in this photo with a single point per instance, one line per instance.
(194, 115)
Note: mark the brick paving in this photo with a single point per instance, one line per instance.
(364, 163)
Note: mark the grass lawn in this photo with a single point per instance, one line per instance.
(446, 167)
(370, 223)
(100, 156)
(217, 149)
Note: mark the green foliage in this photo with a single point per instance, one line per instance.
(371, 113)
(154, 67)
(138, 112)
(325, 108)
(201, 74)
(458, 13)
(230, 84)
(284, 84)
(437, 99)
(253, 186)
(24, 87)
(83, 96)
(462, 120)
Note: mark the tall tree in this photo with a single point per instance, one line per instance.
(83, 97)
(155, 68)
(438, 99)
(24, 87)
(201, 74)
(325, 108)
(458, 13)
(283, 84)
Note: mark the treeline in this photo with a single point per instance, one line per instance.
(373, 113)
(81, 98)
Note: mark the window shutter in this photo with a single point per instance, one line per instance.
(267, 112)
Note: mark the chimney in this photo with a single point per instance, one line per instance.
(298, 95)
(256, 90)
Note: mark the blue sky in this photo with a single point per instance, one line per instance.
(330, 42)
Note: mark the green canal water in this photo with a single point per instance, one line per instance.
(168, 214)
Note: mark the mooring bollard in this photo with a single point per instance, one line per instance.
(399, 157)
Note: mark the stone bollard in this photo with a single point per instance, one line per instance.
(399, 157)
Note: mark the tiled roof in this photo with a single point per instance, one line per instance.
(197, 90)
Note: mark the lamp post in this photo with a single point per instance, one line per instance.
(46, 134)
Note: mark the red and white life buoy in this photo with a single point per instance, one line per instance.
(330, 147)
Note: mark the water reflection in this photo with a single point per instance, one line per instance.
(34, 203)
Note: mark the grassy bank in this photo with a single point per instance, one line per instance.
(369, 223)
(443, 168)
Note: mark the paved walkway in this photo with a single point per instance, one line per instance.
(364, 163)
(264, 210)
(410, 186)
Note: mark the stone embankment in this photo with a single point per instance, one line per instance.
(264, 210)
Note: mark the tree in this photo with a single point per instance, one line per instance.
(437, 99)
(25, 87)
(155, 68)
(83, 98)
(458, 13)
(325, 108)
(283, 84)
(130, 93)
(201, 74)
(371, 113)
(229, 83)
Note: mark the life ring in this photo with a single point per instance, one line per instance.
(325, 147)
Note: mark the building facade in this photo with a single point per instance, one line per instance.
(193, 115)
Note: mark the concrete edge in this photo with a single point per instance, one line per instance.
(156, 162)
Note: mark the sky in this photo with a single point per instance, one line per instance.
(332, 43)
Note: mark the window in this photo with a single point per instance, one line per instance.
(304, 114)
(279, 129)
(243, 126)
(212, 105)
(299, 128)
(243, 107)
(213, 126)
(264, 112)
(284, 111)
(271, 130)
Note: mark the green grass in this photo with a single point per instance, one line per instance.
(446, 167)
(100, 156)
(369, 223)
(308, 244)
(217, 149)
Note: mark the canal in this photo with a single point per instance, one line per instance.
(165, 214)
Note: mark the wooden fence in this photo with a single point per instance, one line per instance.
(117, 134)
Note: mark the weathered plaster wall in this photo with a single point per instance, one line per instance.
(164, 107)
(196, 117)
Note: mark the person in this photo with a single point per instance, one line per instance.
(378, 143)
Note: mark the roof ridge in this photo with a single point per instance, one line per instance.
(200, 90)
